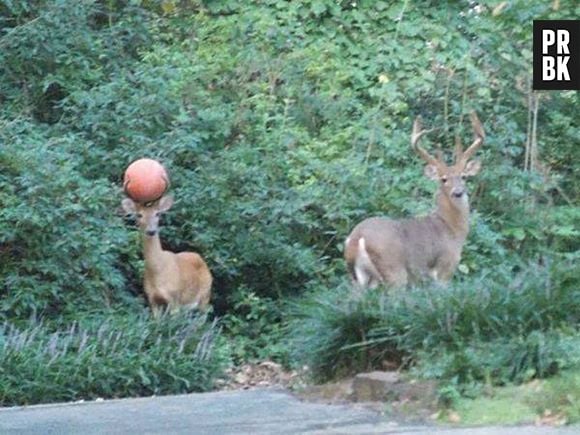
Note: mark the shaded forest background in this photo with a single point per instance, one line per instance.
(282, 125)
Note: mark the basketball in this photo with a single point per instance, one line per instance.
(145, 180)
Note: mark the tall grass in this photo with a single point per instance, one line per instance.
(500, 326)
(114, 356)
(329, 331)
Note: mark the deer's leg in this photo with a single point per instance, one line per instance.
(445, 268)
(391, 272)
(157, 303)
(157, 311)
(397, 277)
(194, 305)
(445, 276)
(203, 295)
(362, 277)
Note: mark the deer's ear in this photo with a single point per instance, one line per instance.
(129, 206)
(472, 168)
(431, 172)
(165, 203)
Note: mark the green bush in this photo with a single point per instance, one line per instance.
(499, 327)
(282, 125)
(560, 396)
(62, 240)
(254, 329)
(51, 49)
(501, 361)
(108, 356)
(329, 332)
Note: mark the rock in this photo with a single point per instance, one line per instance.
(424, 391)
(388, 386)
(453, 417)
(375, 386)
(333, 392)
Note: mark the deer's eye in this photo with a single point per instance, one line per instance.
(139, 215)
(444, 180)
(464, 177)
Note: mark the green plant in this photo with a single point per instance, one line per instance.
(254, 329)
(283, 124)
(107, 356)
(51, 49)
(61, 241)
(559, 396)
(449, 396)
(493, 328)
(329, 332)
(276, 149)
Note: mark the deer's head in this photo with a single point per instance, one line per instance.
(451, 178)
(148, 215)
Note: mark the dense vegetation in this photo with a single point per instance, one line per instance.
(282, 125)
(119, 356)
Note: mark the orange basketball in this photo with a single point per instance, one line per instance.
(145, 180)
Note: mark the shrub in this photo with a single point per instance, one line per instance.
(254, 329)
(62, 241)
(492, 327)
(107, 356)
(329, 332)
(283, 124)
(559, 396)
(51, 49)
(501, 361)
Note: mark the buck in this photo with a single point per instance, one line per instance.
(171, 280)
(399, 252)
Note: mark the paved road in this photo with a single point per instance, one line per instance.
(227, 412)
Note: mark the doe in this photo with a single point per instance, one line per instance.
(398, 252)
(170, 280)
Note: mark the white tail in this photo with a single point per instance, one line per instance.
(170, 280)
(396, 252)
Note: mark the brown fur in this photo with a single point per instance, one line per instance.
(170, 280)
(396, 252)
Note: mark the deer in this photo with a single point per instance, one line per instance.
(171, 280)
(397, 253)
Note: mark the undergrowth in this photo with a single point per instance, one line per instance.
(255, 330)
(282, 125)
(497, 327)
(111, 357)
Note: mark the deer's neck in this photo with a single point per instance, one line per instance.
(152, 252)
(455, 214)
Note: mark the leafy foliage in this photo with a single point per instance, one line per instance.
(282, 125)
(316, 106)
(329, 333)
(255, 329)
(492, 328)
(107, 357)
(61, 241)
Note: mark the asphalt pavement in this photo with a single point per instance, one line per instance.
(260, 411)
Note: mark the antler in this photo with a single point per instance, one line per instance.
(416, 136)
(458, 148)
(464, 156)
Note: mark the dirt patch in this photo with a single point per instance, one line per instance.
(258, 375)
